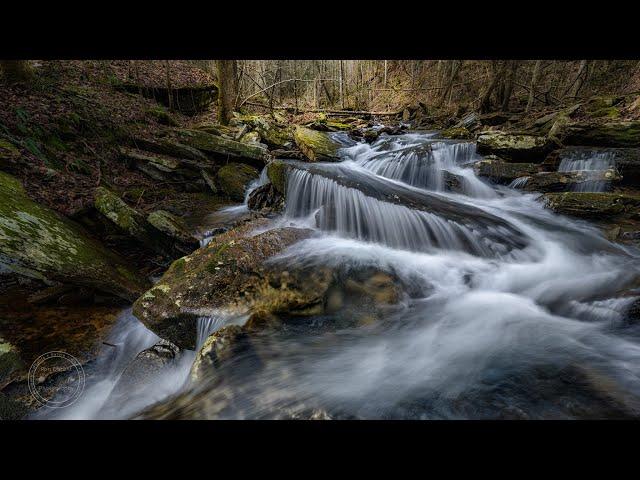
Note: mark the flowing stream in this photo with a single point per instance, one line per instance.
(506, 311)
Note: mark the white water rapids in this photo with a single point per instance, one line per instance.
(508, 310)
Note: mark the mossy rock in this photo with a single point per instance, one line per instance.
(514, 147)
(593, 205)
(234, 179)
(39, 243)
(276, 172)
(503, 172)
(608, 134)
(171, 148)
(9, 154)
(130, 221)
(161, 115)
(230, 275)
(10, 362)
(223, 148)
(174, 228)
(456, 133)
(273, 133)
(316, 146)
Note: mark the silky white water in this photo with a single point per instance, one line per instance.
(507, 310)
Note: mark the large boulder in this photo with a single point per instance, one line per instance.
(222, 148)
(271, 132)
(229, 273)
(276, 172)
(234, 179)
(593, 205)
(130, 221)
(39, 243)
(503, 172)
(571, 181)
(514, 147)
(316, 146)
(607, 134)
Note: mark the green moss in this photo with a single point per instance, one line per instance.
(456, 132)
(234, 178)
(317, 146)
(276, 171)
(161, 115)
(219, 145)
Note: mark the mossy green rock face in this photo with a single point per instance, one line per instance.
(223, 147)
(234, 179)
(273, 133)
(227, 275)
(503, 172)
(608, 134)
(39, 243)
(456, 132)
(173, 227)
(316, 146)
(514, 147)
(593, 205)
(276, 172)
(130, 221)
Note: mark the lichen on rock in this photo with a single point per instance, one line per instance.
(317, 146)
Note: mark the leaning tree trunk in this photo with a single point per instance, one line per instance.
(16, 71)
(455, 67)
(508, 88)
(227, 89)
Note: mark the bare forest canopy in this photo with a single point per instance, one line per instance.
(450, 85)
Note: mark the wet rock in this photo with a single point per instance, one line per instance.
(266, 197)
(503, 172)
(220, 346)
(131, 222)
(222, 148)
(174, 228)
(593, 205)
(627, 160)
(228, 273)
(276, 172)
(317, 146)
(452, 182)
(571, 181)
(10, 362)
(514, 147)
(607, 134)
(38, 243)
(234, 179)
(142, 370)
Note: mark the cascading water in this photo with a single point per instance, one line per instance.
(588, 161)
(507, 310)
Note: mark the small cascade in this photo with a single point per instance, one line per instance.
(588, 161)
(519, 182)
(206, 326)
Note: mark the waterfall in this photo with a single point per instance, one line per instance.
(588, 160)
(519, 182)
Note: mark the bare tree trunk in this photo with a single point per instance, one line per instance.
(534, 82)
(227, 94)
(508, 87)
(169, 93)
(16, 71)
(485, 102)
(455, 67)
(579, 80)
(341, 84)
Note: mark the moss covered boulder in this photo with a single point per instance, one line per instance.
(603, 134)
(234, 179)
(593, 205)
(174, 228)
(223, 148)
(273, 133)
(503, 172)
(316, 146)
(39, 243)
(456, 133)
(130, 221)
(276, 172)
(514, 147)
(228, 275)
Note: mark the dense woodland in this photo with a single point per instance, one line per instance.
(211, 238)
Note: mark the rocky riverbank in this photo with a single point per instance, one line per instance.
(106, 198)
